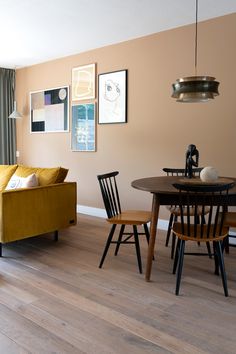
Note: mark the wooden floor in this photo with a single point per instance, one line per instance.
(54, 299)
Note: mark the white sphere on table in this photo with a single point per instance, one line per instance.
(209, 174)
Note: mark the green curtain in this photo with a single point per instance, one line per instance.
(7, 126)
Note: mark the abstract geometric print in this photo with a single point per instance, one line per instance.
(49, 110)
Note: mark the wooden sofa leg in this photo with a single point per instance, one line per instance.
(0, 249)
(56, 236)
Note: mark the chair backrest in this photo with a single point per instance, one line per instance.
(194, 200)
(110, 193)
(181, 171)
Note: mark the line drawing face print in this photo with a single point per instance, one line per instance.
(112, 90)
(112, 97)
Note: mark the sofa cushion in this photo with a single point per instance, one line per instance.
(62, 175)
(6, 171)
(45, 175)
(24, 171)
(22, 182)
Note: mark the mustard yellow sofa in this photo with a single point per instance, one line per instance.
(27, 212)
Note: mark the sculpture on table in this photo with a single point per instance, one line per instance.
(192, 157)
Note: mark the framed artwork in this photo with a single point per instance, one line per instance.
(112, 97)
(83, 82)
(49, 110)
(83, 127)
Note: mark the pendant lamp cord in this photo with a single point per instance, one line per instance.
(196, 37)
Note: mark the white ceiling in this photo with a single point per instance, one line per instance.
(34, 31)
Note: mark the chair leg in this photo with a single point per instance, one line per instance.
(173, 240)
(176, 256)
(56, 236)
(173, 246)
(147, 236)
(180, 266)
(146, 232)
(222, 268)
(169, 229)
(136, 239)
(226, 244)
(122, 229)
(216, 259)
(107, 245)
(209, 249)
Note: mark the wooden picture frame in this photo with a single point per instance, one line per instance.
(83, 82)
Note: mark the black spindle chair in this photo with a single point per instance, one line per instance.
(174, 210)
(116, 217)
(230, 221)
(198, 198)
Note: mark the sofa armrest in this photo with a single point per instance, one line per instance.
(29, 212)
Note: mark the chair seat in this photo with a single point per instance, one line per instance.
(177, 229)
(173, 209)
(131, 217)
(230, 219)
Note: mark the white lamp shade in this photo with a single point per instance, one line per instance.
(15, 114)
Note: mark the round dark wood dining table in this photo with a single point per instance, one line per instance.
(164, 193)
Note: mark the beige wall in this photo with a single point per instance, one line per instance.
(158, 129)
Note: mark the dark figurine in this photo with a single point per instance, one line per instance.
(192, 156)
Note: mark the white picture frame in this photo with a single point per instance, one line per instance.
(49, 110)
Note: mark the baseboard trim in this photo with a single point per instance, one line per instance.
(232, 240)
(101, 213)
(83, 209)
(163, 224)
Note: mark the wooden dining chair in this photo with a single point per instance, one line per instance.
(230, 221)
(213, 230)
(173, 209)
(134, 218)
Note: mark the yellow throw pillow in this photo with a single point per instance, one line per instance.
(62, 175)
(24, 171)
(45, 175)
(6, 171)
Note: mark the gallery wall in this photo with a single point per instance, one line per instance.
(159, 129)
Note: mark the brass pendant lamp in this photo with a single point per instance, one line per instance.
(195, 88)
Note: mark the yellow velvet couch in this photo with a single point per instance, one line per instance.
(27, 212)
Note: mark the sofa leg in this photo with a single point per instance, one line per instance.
(56, 236)
(0, 249)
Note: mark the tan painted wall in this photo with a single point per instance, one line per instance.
(158, 129)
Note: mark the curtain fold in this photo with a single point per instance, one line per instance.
(7, 126)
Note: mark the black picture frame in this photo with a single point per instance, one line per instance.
(112, 97)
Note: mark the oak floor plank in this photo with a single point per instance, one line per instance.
(78, 329)
(71, 295)
(8, 346)
(53, 296)
(31, 337)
